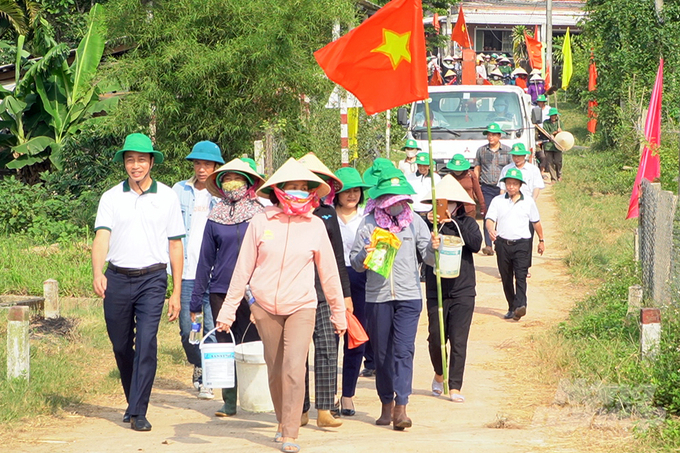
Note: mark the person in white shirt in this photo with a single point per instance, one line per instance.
(408, 165)
(196, 203)
(422, 183)
(507, 221)
(542, 103)
(533, 181)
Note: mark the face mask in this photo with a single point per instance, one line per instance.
(396, 209)
(452, 207)
(302, 194)
(229, 186)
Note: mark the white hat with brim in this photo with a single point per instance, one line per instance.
(535, 71)
(314, 164)
(497, 72)
(535, 78)
(293, 170)
(234, 166)
(449, 189)
(519, 71)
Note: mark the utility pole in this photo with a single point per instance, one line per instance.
(548, 40)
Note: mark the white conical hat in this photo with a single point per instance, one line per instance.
(519, 70)
(314, 164)
(293, 170)
(237, 166)
(565, 139)
(449, 189)
(497, 72)
(535, 71)
(535, 78)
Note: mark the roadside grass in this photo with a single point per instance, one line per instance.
(77, 367)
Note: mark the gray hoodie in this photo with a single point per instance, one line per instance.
(404, 281)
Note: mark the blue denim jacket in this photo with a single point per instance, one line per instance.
(185, 192)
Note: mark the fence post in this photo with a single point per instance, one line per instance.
(258, 154)
(650, 332)
(18, 348)
(51, 295)
(665, 212)
(634, 299)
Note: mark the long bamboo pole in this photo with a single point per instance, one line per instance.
(440, 305)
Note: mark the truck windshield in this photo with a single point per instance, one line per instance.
(470, 111)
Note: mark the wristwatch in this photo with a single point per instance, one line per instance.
(541, 240)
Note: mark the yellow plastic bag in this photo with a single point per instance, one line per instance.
(381, 259)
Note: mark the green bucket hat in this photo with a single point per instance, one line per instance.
(206, 150)
(458, 163)
(423, 159)
(391, 182)
(372, 175)
(350, 178)
(541, 98)
(513, 173)
(141, 144)
(518, 149)
(410, 144)
(553, 111)
(493, 128)
(252, 164)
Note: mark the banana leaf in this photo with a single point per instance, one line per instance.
(88, 56)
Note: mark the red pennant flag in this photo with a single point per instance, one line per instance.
(592, 85)
(650, 161)
(382, 61)
(460, 32)
(436, 79)
(435, 22)
(534, 49)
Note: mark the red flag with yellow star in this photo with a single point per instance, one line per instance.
(382, 61)
(460, 32)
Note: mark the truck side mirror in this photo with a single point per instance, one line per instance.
(402, 117)
(536, 115)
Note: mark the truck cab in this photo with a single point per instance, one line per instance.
(460, 113)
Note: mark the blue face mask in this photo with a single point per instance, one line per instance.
(396, 209)
(298, 193)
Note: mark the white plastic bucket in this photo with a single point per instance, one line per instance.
(253, 379)
(217, 360)
(450, 254)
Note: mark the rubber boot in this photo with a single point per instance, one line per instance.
(324, 419)
(386, 414)
(399, 418)
(229, 407)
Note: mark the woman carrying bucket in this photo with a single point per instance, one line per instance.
(348, 203)
(458, 293)
(393, 303)
(277, 258)
(234, 184)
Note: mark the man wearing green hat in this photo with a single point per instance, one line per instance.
(196, 203)
(533, 181)
(488, 163)
(408, 164)
(139, 229)
(507, 221)
(553, 156)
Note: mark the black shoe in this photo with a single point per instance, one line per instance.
(519, 312)
(347, 412)
(509, 315)
(335, 412)
(367, 372)
(126, 418)
(140, 423)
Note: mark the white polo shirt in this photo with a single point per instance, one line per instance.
(140, 225)
(512, 218)
(423, 186)
(531, 175)
(349, 231)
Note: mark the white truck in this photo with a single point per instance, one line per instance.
(460, 113)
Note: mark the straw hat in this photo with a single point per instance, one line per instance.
(313, 164)
(235, 166)
(497, 72)
(535, 71)
(536, 78)
(519, 70)
(293, 170)
(565, 139)
(449, 189)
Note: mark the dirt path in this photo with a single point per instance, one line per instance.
(501, 387)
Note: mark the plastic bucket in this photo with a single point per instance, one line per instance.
(450, 254)
(253, 379)
(217, 360)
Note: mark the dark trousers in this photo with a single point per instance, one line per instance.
(132, 309)
(191, 350)
(553, 163)
(392, 330)
(489, 193)
(351, 361)
(513, 264)
(457, 319)
(325, 361)
(242, 329)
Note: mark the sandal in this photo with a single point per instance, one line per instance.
(290, 447)
(277, 437)
(456, 397)
(437, 387)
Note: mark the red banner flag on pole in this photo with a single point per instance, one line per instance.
(592, 85)
(535, 50)
(460, 32)
(382, 61)
(435, 22)
(650, 161)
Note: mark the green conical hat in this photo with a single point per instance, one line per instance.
(392, 182)
(458, 163)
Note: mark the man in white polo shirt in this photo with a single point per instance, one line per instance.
(139, 229)
(533, 180)
(507, 221)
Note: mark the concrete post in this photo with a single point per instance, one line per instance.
(258, 150)
(51, 295)
(634, 299)
(650, 332)
(18, 349)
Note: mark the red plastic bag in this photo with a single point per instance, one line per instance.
(355, 331)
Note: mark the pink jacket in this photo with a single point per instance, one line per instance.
(277, 258)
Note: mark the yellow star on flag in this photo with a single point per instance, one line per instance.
(395, 46)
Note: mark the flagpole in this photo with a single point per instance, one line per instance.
(440, 305)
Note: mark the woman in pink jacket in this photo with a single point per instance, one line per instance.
(277, 258)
